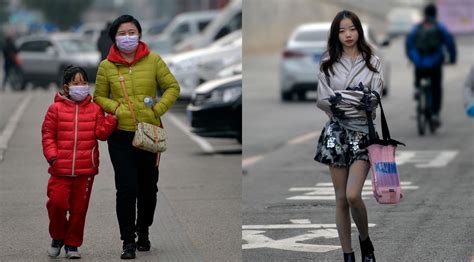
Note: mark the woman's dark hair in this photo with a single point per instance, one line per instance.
(71, 71)
(335, 49)
(120, 20)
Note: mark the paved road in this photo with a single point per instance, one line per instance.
(198, 214)
(288, 201)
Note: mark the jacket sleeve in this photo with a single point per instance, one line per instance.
(168, 85)
(49, 133)
(448, 40)
(324, 92)
(105, 125)
(410, 49)
(102, 91)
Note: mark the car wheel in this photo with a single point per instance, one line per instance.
(286, 96)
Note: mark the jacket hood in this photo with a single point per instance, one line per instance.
(59, 97)
(114, 54)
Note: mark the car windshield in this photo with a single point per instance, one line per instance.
(312, 36)
(74, 46)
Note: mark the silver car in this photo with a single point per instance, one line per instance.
(43, 58)
(299, 65)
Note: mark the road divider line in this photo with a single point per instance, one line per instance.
(12, 124)
(251, 160)
(303, 138)
(203, 144)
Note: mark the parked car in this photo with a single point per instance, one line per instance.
(43, 58)
(215, 109)
(235, 69)
(228, 21)
(299, 65)
(182, 26)
(186, 66)
(401, 20)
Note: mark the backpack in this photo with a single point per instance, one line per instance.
(428, 39)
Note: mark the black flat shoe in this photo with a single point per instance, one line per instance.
(143, 243)
(367, 250)
(349, 257)
(128, 251)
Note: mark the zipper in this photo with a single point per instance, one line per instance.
(93, 162)
(75, 140)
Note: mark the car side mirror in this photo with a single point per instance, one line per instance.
(50, 51)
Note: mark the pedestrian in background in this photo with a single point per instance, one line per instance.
(70, 131)
(469, 93)
(347, 62)
(136, 170)
(104, 43)
(10, 57)
(425, 47)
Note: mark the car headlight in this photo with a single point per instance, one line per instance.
(220, 95)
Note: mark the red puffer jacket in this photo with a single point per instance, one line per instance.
(70, 132)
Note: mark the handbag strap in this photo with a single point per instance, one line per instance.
(383, 120)
(125, 93)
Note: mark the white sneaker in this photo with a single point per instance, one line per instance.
(72, 252)
(55, 248)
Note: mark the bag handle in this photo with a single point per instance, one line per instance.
(387, 140)
(125, 93)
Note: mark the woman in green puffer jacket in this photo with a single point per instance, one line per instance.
(136, 171)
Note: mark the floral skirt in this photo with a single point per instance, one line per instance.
(340, 146)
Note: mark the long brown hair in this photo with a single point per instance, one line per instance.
(335, 49)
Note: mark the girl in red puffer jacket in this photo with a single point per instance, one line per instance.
(70, 131)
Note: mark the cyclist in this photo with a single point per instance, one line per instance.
(425, 46)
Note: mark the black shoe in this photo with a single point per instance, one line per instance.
(128, 251)
(349, 257)
(143, 242)
(367, 250)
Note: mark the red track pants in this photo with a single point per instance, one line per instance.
(68, 194)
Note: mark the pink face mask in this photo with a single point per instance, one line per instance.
(127, 44)
(78, 93)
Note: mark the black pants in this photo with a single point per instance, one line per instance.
(136, 179)
(436, 79)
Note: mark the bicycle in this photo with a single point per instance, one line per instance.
(424, 111)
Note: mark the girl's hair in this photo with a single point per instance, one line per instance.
(335, 49)
(70, 72)
(120, 20)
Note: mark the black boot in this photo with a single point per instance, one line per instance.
(143, 242)
(367, 250)
(349, 257)
(128, 251)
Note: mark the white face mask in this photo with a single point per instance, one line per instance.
(127, 44)
(78, 93)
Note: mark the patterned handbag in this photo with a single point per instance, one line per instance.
(147, 137)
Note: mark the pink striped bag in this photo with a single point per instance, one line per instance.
(385, 177)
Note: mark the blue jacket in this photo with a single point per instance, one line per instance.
(433, 60)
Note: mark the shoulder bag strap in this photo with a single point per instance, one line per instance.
(125, 93)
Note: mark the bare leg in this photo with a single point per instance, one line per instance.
(343, 220)
(357, 175)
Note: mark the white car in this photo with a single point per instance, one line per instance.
(228, 21)
(186, 66)
(400, 21)
(299, 65)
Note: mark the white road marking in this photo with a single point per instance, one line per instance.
(251, 160)
(12, 124)
(303, 138)
(255, 238)
(205, 146)
(426, 159)
(325, 191)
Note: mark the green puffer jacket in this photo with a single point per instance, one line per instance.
(142, 78)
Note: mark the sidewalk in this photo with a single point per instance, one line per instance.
(197, 216)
